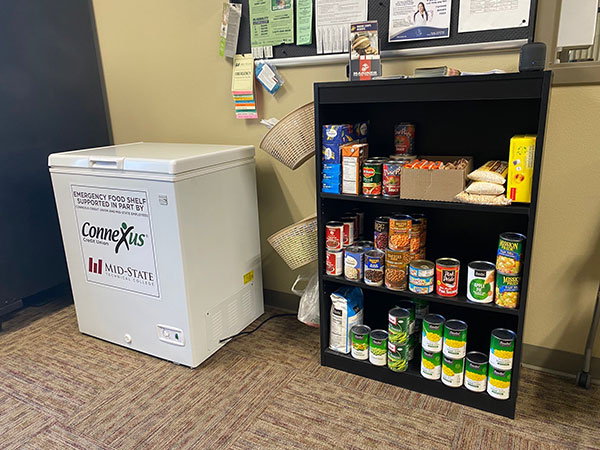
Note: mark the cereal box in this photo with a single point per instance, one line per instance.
(334, 137)
(520, 168)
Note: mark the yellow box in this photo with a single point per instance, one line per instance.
(520, 168)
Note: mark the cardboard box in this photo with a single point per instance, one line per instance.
(436, 185)
(353, 157)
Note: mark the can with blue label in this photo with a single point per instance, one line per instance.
(374, 262)
(510, 253)
(353, 262)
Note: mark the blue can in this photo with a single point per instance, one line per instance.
(353, 262)
(374, 263)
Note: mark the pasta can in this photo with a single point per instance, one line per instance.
(348, 230)
(423, 219)
(507, 290)
(334, 263)
(510, 252)
(499, 383)
(433, 332)
(446, 274)
(410, 306)
(399, 325)
(359, 335)
(373, 274)
(453, 371)
(334, 236)
(421, 268)
(396, 266)
(404, 138)
(391, 178)
(372, 175)
(480, 281)
(455, 339)
(476, 371)
(399, 232)
(381, 232)
(378, 347)
(397, 357)
(431, 365)
(353, 263)
(502, 348)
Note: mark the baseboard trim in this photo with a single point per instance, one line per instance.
(281, 300)
(557, 361)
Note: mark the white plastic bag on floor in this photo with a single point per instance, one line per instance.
(308, 309)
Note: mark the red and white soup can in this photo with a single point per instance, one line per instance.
(334, 236)
(334, 262)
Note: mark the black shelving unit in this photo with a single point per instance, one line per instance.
(473, 116)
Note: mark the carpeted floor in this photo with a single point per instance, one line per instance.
(60, 389)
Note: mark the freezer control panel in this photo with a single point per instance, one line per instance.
(170, 335)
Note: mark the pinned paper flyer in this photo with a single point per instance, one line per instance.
(365, 61)
(242, 87)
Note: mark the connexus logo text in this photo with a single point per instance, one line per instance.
(120, 236)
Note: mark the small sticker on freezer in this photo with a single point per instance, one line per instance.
(248, 277)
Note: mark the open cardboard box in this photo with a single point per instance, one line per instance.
(436, 185)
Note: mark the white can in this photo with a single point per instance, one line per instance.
(334, 263)
(431, 365)
(499, 383)
(476, 371)
(480, 281)
(453, 371)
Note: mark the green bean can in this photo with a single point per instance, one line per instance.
(399, 325)
(359, 335)
(476, 371)
(453, 371)
(410, 305)
(431, 365)
(455, 339)
(397, 357)
(499, 383)
(433, 332)
(502, 348)
(378, 340)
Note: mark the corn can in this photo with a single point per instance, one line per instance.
(507, 290)
(399, 232)
(378, 340)
(453, 371)
(455, 339)
(397, 357)
(431, 365)
(476, 371)
(499, 383)
(502, 348)
(398, 325)
(433, 331)
(510, 253)
(359, 335)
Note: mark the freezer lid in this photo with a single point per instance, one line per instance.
(152, 157)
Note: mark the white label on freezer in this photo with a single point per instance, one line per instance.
(115, 234)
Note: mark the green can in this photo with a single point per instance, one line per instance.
(421, 308)
(411, 346)
(433, 332)
(502, 348)
(499, 383)
(410, 305)
(453, 371)
(372, 177)
(455, 339)
(397, 357)
(431, 365)
(359, 335)
(507, 290)
(378, 340)
(399, 325)
(476, 371)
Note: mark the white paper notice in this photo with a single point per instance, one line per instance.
(414, 20)
(333, 19)
(481, 15)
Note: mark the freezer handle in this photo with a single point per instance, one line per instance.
(106, 162)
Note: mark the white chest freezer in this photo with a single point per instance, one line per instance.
(162, 244)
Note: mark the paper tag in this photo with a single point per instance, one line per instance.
(248, 277)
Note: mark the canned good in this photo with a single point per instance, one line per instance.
(510, 252)
(356, 222)
(359, 335)
(499, 383)
(410, 306)
(416, 281)
(360, 215)
(372, 177)
(399, 325)
(404, 138)
(367, 245)
(403, 158)
(396, 264)
(420, 289)
(502, 348)
(400, 226)
(476, 371)
(411, 347)
(446, 273)
(353, 262)
(374, 264)
(421, 308)
(423, 219)
(507, 290)
(433, 332)
(421, 268)
(397, 357)
(348, 222)
(455, 339)
(391, 178)
(334, 236)
(381, 232)
(453, 371)
(415, 241)
(431, 365)
(480, 281)
(378, 347)
(334, 265)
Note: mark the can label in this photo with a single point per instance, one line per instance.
(431, 365)
(480, 285)
(374, 270)
(381, 233)
(372, 179)
(446, 280)
(396, 266)
(334, 264)
(334, 237)
(432, 336)
(404, 138)
(507, 290)
(453, 371)
(476, 376)
(502, 353)
(353, 265)
(348, 233)
(509, 256)
(420, 281)
(455, 343)
(422, 270)
(499, 383)
(397, 357)
(420, 289)
(398, 329)
(399, 238)
(360, 344)
(377, 351)
(391, 179)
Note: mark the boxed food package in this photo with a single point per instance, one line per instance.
(332, 178)
(334, 137)
(426, 181)
(353, 157)
(520, 168)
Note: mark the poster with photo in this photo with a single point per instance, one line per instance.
(416, 20)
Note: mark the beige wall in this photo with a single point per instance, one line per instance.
(166, 82)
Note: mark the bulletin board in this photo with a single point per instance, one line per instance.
(379, 10)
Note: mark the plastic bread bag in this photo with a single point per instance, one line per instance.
(491, 171)
(485, 188)
(308, 309)
(346, 311)
(480, 199)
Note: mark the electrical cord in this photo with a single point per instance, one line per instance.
(244, 333)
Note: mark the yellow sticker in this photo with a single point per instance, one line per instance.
(248, 277)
